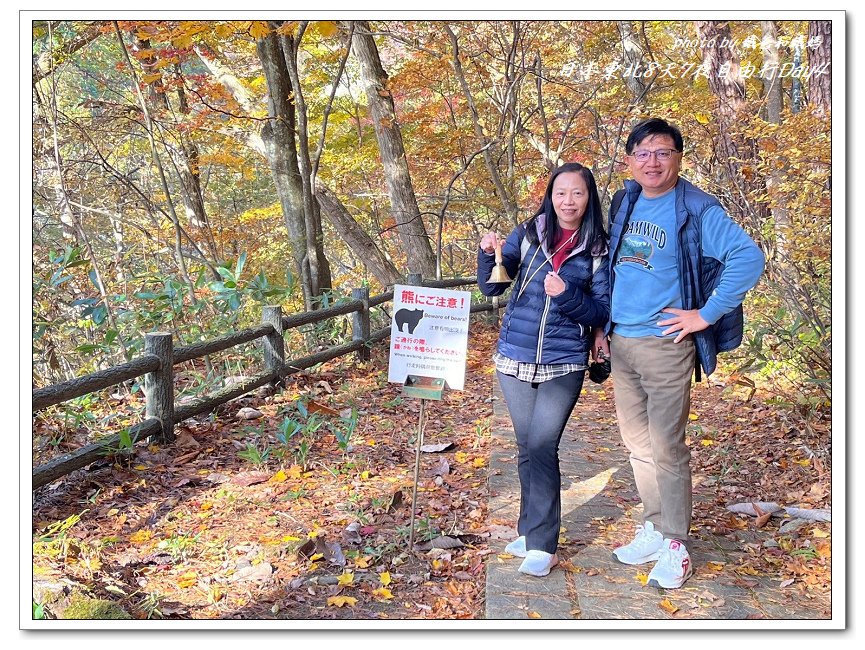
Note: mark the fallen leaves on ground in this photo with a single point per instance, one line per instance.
(246, 527)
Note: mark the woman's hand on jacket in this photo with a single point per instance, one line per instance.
(553, 284)
(489, 241)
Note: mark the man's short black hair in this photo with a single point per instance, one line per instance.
(653, 126)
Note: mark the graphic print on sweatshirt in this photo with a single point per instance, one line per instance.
(646, 268)
(640, 242)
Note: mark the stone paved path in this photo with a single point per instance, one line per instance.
(598, 504)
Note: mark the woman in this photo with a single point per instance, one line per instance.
(558, 260)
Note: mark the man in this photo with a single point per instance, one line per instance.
(679, 270)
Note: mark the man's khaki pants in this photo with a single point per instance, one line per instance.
(652, 383)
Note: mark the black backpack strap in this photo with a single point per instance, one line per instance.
(616, 203)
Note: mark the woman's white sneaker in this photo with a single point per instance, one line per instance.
(673, 567)
(645, 547)
(538, 563)
(517, 548)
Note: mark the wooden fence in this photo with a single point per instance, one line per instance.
(160, 356)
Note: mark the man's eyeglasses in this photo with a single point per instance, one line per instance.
(663, 155)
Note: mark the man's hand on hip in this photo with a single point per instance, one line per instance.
(684, 321)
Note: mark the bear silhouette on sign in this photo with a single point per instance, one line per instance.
(410, 317)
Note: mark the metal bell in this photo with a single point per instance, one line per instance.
(499, 274)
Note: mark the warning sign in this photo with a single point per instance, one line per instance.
(429, 334)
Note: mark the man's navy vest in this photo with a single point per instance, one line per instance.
(698, 275)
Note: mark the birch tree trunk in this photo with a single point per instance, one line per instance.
(404, 207)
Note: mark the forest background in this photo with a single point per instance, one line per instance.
(187, 172)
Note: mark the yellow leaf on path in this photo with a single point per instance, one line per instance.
(339, 601)
(207, 505)
(667, 605)
(803, 463)
(702, 118)
(140, 536)
(383, 593)
(112, 512)
(533, 614)
(505, 556)
(364, 475)
(715, 566)
(363, 562)
(643, 578)
(279, 477)
(290, 538)
(706, 442)
(747, 570)
(693, 416)
(461, 456)
(346, 579)
(294, 471)
(385, 578)
(187, 579)
(141, 468)
(317, 556)
(816, 532)
(479, 462)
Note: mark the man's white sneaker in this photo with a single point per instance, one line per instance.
(645, 547)
(538, 563)
(517, 548)
(673, 567)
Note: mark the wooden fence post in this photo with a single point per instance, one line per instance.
(159, 385)
(360, 328)
(415, 279)
(274, 344)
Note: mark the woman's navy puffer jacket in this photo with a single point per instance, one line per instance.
(535, 327)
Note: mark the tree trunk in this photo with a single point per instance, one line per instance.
(360, 243)
(280, 148)
(633, 55)
(404, 207)
(729, 88)
(239, 93)
(820, 59)
(772, 91)
(736, 152)
(773, 102)
(319, 268)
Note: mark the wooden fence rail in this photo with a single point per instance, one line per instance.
(156, 364)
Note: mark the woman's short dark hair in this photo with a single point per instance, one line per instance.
(592, 225)
(653, 126)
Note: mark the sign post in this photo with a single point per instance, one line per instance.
(429, 337)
